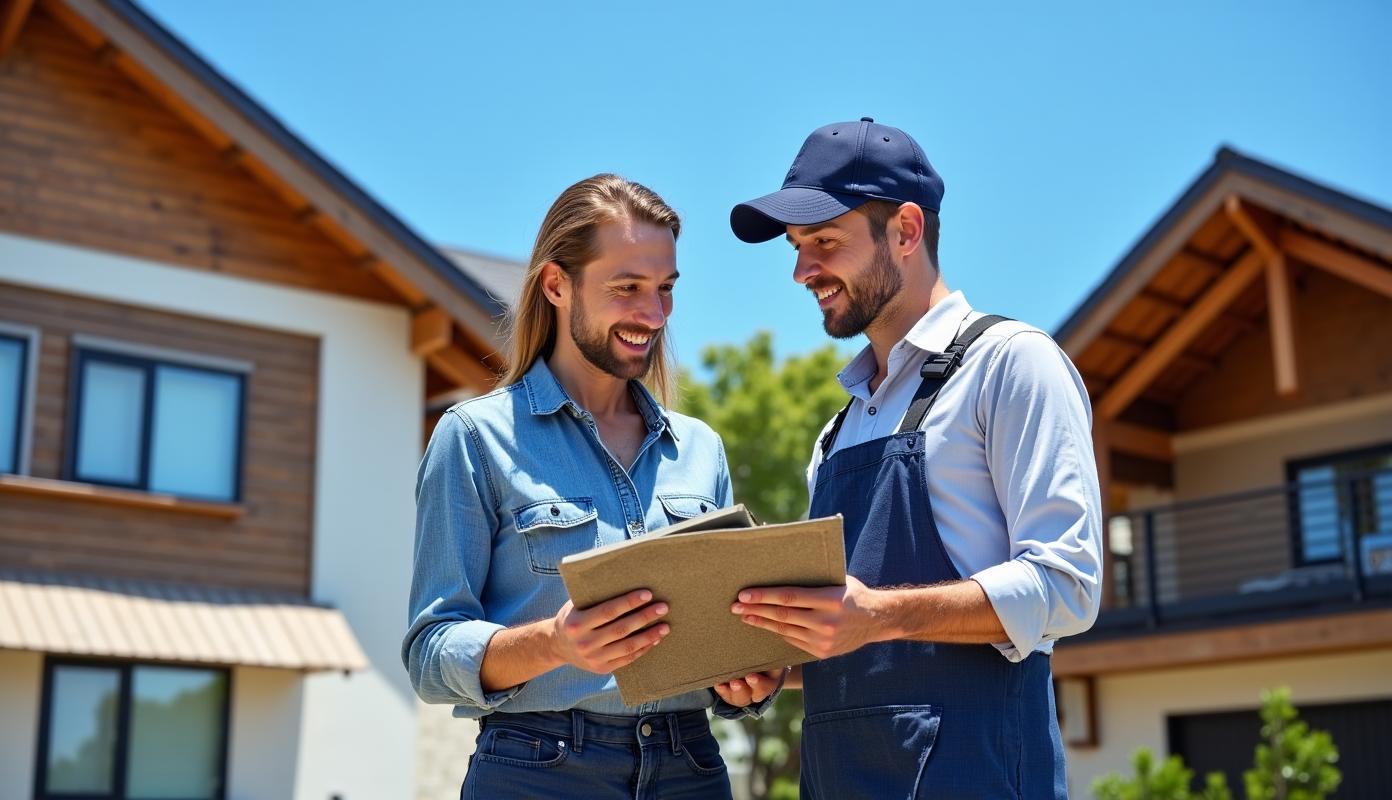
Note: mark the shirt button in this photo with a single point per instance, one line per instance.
(646, 730)
(872, 411)
(555, 512)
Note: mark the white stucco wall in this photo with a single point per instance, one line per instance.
(1253, 454)
(21, 682)
(357, 735)
(1131, 708)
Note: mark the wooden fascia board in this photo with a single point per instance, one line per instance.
(1329, 257)
(13, 13)
(1323, 634)
(255, 143)
(1174, 240)
(1218, 296)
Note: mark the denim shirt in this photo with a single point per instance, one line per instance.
(511, 483)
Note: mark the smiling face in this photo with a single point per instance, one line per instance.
(851, 273)
(620, 301)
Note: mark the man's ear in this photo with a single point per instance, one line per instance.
(556, 284)
(906, 229)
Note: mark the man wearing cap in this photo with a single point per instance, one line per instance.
(963, 468)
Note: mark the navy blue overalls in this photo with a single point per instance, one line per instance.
(917, 719)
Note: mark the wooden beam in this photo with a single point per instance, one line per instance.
(1102, 453)
(1278, 295)
(1172, 304)
(1179, 335)
(13, 13)
(430, 331)
(1331, 633)
(462, 368)
(1139, 440)
(1331, 258)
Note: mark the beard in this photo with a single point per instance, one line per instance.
(880, 283)
(597, 346)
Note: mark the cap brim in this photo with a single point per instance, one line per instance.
(768, 217)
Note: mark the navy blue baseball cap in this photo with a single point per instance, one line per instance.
(839, 168)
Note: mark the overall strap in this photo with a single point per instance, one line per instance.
(830, 437)
(936, 370)
(941, 366)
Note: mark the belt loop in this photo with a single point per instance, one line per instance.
(577, 730)
(674, 729)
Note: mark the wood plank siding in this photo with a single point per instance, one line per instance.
(267, 547)
(87, 157)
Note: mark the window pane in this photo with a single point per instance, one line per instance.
(176, 733)
(1319, 514)
(113, 403)
(11, 400)
(82, 730)
(194, 450)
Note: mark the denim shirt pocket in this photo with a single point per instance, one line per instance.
(685, 506)
(554, 529)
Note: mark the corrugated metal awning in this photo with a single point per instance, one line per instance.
(115, 618)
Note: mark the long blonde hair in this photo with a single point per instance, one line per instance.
(568, 237)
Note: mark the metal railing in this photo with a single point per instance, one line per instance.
(1298, 545)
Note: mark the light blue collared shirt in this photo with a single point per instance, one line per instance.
(511, 483)
(1011, 473)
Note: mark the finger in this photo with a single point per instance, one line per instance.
(631, 644)
(612, 609)
(799, 637)
(800, 617)
(730, 694)
(793, 596)
(629, 623)
(624, 661)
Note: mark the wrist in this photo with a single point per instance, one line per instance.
(890, 615)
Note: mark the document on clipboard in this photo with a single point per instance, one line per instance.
(698, 568)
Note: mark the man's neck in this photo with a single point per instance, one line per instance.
(593, 389)
(897, 319)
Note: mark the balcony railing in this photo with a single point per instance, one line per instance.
(1268, 551)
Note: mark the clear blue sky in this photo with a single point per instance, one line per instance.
(1062, 131)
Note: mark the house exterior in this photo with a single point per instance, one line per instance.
(217, 360)
(1239, 361)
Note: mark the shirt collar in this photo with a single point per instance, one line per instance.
(546, 396)
(933, 332)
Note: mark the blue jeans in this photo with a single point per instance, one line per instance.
(551, 754)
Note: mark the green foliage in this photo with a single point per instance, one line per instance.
(769, 416)
(1169, 782)
(1292, 762)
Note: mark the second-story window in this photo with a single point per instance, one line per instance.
(17, 354)
(152, 423)
(1341, 499)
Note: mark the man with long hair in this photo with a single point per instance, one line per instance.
(963, 468)
(572, 451)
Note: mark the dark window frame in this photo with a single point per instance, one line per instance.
(125, 669)
(1293, 469)
(26, 346)
(148, 365)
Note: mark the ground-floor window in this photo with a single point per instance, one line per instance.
(1224, 742)
(128, 731)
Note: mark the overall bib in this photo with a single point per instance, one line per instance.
(918, 719)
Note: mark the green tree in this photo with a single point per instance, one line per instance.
(769, 415)
(1169, 782)
(1292, 762)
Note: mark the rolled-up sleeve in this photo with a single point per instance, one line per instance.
(455, 519)
(1038, 427)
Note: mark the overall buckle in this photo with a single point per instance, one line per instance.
(939, 365)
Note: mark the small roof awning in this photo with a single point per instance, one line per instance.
(116, 618)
